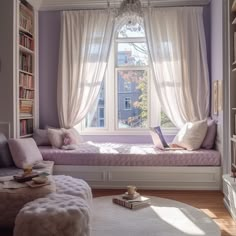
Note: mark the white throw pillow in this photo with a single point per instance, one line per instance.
(191, 135)
(56, 137)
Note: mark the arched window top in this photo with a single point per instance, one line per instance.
(131, 30)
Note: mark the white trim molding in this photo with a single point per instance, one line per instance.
(51, 5)
(161, 177)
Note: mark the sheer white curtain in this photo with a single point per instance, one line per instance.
(177, 47)
(84, 49)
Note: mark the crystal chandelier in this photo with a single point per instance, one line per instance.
(131, 10)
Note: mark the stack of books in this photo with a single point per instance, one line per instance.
(138, 202)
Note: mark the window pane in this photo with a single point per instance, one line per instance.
(132, 104)
(165, 121)
(130, 30)
(95, 117)
(132, 54)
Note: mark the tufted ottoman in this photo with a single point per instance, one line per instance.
(56, 214)
(72, 186)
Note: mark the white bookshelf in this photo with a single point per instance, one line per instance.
(26, 69)
(229, 183)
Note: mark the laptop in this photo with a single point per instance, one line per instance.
(159, 140)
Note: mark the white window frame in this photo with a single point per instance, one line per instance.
(111, 103)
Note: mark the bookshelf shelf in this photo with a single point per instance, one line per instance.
(24, 117)
(28, 88)
(25, 31)
(24, 49)
(26, 72)
(27, 99)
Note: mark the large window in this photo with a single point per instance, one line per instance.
(127, 100)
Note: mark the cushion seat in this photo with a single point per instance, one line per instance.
(72, 186)
(56, 214)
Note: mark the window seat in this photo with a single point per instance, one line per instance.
(109, 165)
(116, 154)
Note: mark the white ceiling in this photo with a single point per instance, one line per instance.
(92, 4)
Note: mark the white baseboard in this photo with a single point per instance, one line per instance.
(163, 178)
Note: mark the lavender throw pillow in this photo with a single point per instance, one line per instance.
(40, 136)
(24, 152)
(209, 140)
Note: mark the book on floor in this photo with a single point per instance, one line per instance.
(132, 204)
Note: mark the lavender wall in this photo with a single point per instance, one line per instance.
(217, 67)
(49, 35)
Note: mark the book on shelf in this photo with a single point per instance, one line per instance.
(26, 80)
(26, 62)
(26, 127)
(132, 204)
(26, 41)
(26, 18)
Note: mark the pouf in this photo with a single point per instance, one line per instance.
(72, 186)
(12, 200)
(56, 214)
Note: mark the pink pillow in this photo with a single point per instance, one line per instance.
(71, 136)
(209, 140)
(24, 152)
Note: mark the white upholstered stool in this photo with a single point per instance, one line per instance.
(72, 186)
(56, 214)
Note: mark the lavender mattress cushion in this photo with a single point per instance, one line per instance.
(115, 154)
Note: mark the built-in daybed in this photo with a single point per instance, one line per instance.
(110, 165)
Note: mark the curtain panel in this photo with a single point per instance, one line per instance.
(177, 50)
(84, 49)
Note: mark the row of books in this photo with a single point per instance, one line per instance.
(26, 41)
(26, 80)
(26, 19)
(26, 62)
(138, 202)
(26, 127)
(26, 107)
(25, 93)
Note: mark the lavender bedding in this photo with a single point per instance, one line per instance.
(114, 154)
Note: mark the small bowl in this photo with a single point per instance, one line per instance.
(40, 179)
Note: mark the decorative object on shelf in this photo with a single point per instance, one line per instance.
(215, 97)
(130, 10)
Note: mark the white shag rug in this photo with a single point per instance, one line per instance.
(163, 218)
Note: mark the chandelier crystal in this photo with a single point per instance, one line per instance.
(130, 10)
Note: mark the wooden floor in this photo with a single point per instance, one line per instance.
(210, 202)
